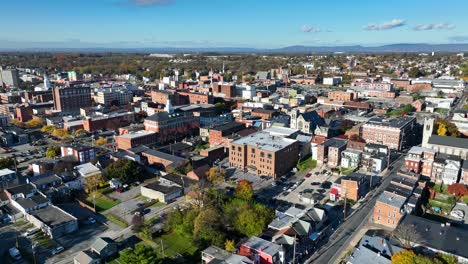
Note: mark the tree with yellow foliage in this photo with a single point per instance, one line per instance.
(35, 122)
(48, 129)
(60, 132)
(100, 141)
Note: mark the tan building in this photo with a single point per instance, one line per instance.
(354, 186)
(264, 154)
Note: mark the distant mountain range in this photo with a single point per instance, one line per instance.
(392, 48)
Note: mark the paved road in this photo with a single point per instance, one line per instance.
(338, 242)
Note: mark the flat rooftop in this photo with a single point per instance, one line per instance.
(137, 134)
(392, 199)
(265, 141)
(392, 122)
(52, 216)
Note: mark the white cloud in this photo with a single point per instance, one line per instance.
(438, 26)
(308, 29)
(385, 25)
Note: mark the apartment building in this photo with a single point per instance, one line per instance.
(329, 152)
(113, 96)
(394, 133)
(419, 160)
(81, 152)
(69, 100)
(380, 86)
(264, 154)
(219, 134)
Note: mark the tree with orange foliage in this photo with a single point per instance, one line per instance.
(244, 190)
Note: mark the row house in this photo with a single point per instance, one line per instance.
(375, 157)
(329, 152)
(419, 160)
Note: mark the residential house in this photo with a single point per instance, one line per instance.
(350, 158)
(86, 257)
(215, 255)
(446, 168)
(105, 247)
(7, 178)
(373, 249)
(262, 251)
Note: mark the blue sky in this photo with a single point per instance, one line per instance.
(227, 23)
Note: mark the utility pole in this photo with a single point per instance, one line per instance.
(294, 250)
(345, 200)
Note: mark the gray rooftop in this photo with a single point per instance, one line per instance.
(393, 122)
(391, 199)
(263, 245)
(449, 141)
(438, 236)
(52, 216)
(265, 141)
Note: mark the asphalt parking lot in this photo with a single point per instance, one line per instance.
(318, 184)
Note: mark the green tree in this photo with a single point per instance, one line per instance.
(244, 190)
(207, 228)
(124, 170)
(52, 152)
(141, 254)
(252, 219)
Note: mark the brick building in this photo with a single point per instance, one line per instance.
(24, 113)
(354, 186)
(264, 154)
(420, 160)
(111, 121)
(264, 113)
(172, 125)
(219, 134)
(133, 139)
(395, 133)
(228, 89)
(69, 100)
(388, 210)
(342, 96)
(329, 152)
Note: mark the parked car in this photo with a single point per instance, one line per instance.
(14, 253)
(119, 190)
(308, 175)
(57, 250)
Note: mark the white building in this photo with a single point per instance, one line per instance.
(332, 80)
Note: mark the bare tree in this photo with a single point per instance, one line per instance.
(407, 236)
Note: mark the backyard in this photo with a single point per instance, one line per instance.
(307, 163)
(103, 202)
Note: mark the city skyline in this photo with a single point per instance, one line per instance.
(201, 24)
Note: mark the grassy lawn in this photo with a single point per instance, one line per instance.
(307, 164)
(441, 188)
(346, 171)
(465, 199)
(174, 245)
(446, 207)
(103, 202)
(117, 220)
(151, 220)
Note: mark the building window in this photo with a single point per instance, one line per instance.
(262, 154)
(269, 156)
(233, 148)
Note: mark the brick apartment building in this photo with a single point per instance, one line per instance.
(264, 154)
(161, 97)
(172, 125)
(69, 100)
(134, 139)
(81, 152)
(342, 96)
(219, 134)
(329, 152)
(388, 210)
(111, 121)
(38, 96)
(394, 133)
(24, 113)
(354, 186)
(403, 83)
